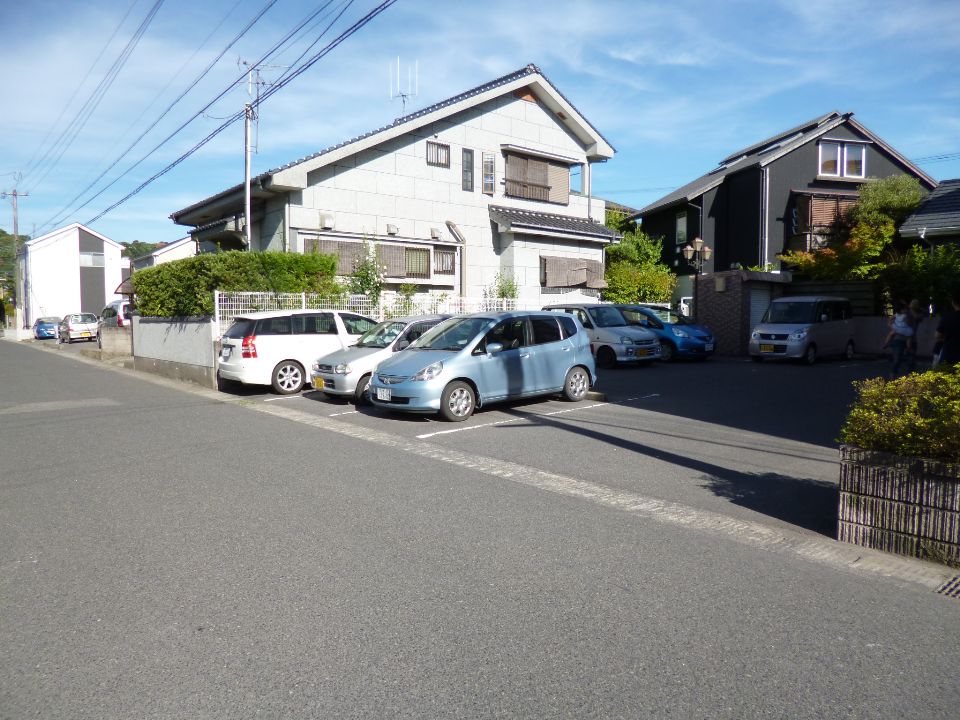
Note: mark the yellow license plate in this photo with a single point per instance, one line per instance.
(766, 348)
(643, 351)
(85, 334)
(318, 383)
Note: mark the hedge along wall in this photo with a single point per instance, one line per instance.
(184, 288)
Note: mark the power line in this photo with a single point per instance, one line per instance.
(278, 45)
(30, 164)
(80, 120)
(66, 209)
(329, 48)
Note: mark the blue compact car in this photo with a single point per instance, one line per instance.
(45, 327)
(467, 362)
(679, 337)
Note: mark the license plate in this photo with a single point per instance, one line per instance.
(225, 353)
(766, 348)
(318, 383)
(642, 352)
(85, 333)
(708, 347)
(385, 394)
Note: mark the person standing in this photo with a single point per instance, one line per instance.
(948, 333)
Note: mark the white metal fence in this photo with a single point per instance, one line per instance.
(228, 305)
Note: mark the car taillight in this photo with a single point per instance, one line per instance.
(119, 320)
(249, 347)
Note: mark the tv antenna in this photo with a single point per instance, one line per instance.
(413, 83)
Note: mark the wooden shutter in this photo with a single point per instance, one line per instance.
(558, 178)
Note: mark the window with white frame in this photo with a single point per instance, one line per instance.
(489, 173)
(91, 259)
(438, 154)
(842, 159)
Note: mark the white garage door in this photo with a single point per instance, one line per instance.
(759, 301)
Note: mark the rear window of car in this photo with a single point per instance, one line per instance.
(87, 318)
(240, 329)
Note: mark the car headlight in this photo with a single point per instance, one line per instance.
(315, 367)
(430, 371)
(342, 369)
(680, 332)
(624, 340)
(798, 334)
(755, 334)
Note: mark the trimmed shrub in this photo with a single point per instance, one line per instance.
(917, 415)
(185, 287)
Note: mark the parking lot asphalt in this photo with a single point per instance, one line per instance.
(726, 435)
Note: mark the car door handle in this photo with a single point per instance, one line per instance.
(524, 355)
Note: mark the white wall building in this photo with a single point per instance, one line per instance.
(176, 250)
(495, 180)
(73, 269)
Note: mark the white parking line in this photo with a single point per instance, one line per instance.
(347, 412)
(284, 397)
(511, 420)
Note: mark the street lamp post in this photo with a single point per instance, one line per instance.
(696, 254)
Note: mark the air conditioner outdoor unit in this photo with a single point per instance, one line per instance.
(391, 229)
(327, 221)
(435, 233)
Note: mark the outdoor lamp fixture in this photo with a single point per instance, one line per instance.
(696, 254)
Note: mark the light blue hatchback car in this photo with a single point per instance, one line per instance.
(469, 361)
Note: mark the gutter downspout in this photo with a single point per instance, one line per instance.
(764, 202)
(588, 188)
(455, 231)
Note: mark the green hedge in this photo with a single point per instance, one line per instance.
(185, 287)
(917, 415)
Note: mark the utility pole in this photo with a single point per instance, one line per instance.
(20, 293)
(249, 115)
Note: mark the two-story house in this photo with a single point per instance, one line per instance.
(783, 193)
(494, 180)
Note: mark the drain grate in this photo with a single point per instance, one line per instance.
(951, 588)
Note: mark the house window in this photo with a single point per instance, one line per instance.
(444, 262)
(534, 178)
(91, 259)
(853, 160)
(348, 253)
(842, 159)
(438, 154)
(489, 172)
(467, 182)
(682, 228)
(416, 262)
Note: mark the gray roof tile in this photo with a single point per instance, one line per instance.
(516, 217)
(940, 210)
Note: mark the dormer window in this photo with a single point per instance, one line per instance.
(842, 159)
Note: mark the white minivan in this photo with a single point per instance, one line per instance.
(612, 339)
(804, 327)
(276, 347)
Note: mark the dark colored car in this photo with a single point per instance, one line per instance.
(45, 327)
(679, 337)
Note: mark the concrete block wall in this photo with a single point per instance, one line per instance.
(177, 348)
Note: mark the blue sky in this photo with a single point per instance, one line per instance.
(674, 86)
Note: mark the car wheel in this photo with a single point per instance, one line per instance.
(361, 396)
(288, 377)
(668, 353)
(576, 384)
(606, 357)
(810, 354)
(848, 353)
(457, 402)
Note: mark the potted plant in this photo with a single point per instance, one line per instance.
(900, 466)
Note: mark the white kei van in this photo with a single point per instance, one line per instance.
(276, 347)
(804, 327)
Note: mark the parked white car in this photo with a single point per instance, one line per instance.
(804, 327)
(78, 326)
(275, 347)
(346, 373)
(612, 339)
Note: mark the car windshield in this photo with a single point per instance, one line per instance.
(666, 315)
(790, 313)
(381, 335)
(453, 334)
(607, 316)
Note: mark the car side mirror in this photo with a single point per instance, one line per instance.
(494, 348)
(823, 318)
(401, 345)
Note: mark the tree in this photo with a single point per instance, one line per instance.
(634, 271)
(8, 261)
(138, 248)
(368, 274)
(865, 236)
